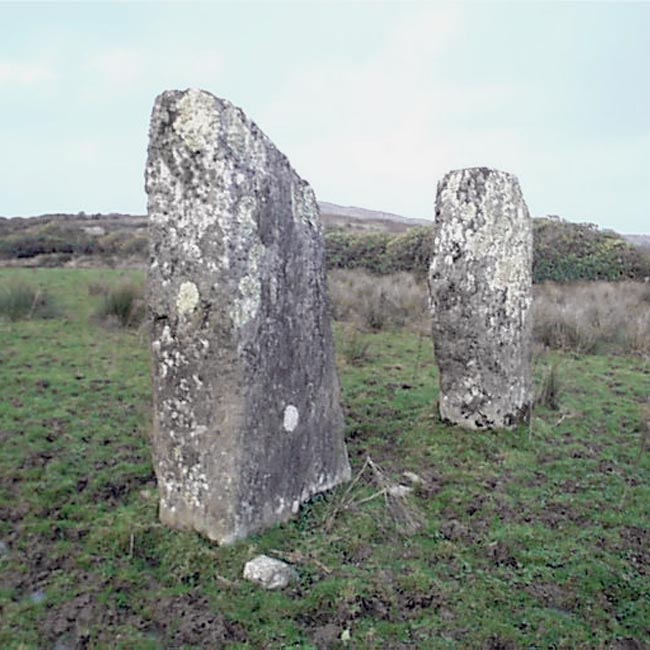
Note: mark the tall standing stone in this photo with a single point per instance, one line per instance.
(247, 420)
(480, 282)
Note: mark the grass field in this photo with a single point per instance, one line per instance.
(537, 538)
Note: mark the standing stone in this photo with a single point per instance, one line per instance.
(247, 420)
(480, 282)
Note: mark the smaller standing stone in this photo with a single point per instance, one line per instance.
(269, 572)
(480, 283)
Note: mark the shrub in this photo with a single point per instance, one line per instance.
(124, 243)
(46, 239)
(20, 301)
(411, 251)
(562, 252)
(566, 252)
(353, 251)
(123, 304)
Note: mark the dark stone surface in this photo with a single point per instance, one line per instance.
(247, 420)
(480, 282)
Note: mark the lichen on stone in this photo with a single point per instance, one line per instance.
(247, 302)
(187, 299)
(480, 283)
(291, 416)
(305, 206)
(239, 322)
(197, 121)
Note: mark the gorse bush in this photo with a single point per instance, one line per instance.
(60, 240)
(380, 253)
(411, 251)
(566, 252)
(354, 251)
(49, 239)
(123, 304)
(562, 252)
(123, 243)
(20, 301)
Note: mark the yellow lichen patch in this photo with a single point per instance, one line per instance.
(197, 121)
(187, 299)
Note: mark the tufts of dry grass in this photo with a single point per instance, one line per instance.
(375, 303)
(550, 388)
(593, 317)
(585, 317)
(122, 305)
(20, 301)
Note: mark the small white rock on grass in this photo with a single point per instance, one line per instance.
(269, 572)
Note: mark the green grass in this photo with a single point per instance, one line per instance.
(536, 538)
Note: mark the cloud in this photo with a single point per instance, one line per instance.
(395, 122)
(121, 69)
(26, 73)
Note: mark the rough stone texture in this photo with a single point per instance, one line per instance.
(269, 572)
(247, 420)
(480, 283)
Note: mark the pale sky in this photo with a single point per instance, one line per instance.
(372, 102)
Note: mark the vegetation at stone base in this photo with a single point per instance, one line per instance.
(533, 538)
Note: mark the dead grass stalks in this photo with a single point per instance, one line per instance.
(403, 513)
(593, 317)
(376, 303)
(550, 388)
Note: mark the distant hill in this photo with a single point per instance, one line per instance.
(332, 215)
(364, 220)
(642, 241)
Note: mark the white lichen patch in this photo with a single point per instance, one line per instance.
(187, 298)
(291, 416)
(246, 305)
(245, 220)
(241, 139)
(305, 207)
(197, 121)
(237, 131)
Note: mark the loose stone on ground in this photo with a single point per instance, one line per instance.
(269, 572)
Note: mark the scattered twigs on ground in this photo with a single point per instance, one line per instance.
(397, 499)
